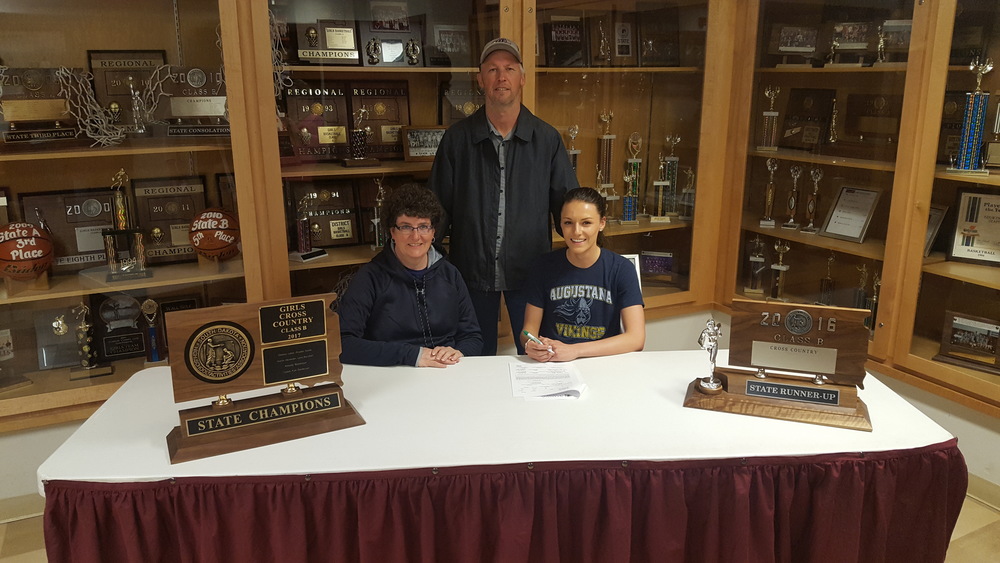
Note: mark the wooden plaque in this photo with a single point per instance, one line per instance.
(388, 105)
(164, 208)
(76, 219)
(794, 362)
(317, 119)
(331, 210)
(222, 351)
(807, 339)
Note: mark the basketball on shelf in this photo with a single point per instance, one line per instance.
(25, 251)
(215, 234)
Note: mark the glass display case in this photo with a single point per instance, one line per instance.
(948, 337)
(115, 141)
(826, 114)
(622, 84)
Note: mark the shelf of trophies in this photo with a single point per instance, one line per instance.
(375, 70)
(988, 178)
(130, 147)
(872, 249)
(39, 398)
(620, 70)
(796, 155)
(980, 385)
(95, 280)
(337, 170)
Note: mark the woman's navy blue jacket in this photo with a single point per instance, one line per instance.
(387, 313)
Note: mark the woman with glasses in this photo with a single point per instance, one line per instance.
(408, 306)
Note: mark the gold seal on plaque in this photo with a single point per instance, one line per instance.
(469, 108)
(380, 108)
(219, 352)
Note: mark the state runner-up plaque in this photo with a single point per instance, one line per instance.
(802, 363)
(290, 346)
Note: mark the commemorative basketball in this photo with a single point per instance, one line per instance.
(215, 234)
(25, 251)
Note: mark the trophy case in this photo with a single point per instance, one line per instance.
(866, 161)
(823, 145)
(114, 139)
(622, 83)
(948, 337)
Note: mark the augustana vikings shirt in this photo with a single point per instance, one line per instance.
(582, 304)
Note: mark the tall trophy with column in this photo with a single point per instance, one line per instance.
(779, 271)
(123, 243)
(970, 148)
(769, 134)
(605, 150)
(792, 201)
(572, 151)
(665, 187)
(767, 221)
(358, 140)
(632, 178)
(813, 202)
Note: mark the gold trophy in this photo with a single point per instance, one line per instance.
(123, 244)
(767, 221)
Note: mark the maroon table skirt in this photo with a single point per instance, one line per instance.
(884, 506)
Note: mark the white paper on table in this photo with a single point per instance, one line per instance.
(546, 380)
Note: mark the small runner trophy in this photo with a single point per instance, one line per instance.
(826, 284)
(793, 198)
(816, 174)
(969, 160)
(769, 140)
(305, 230)
(123, 244)
(872, 302)
(572, 151)
(767, 221)
(756, 265)
(685, 207)
(155, 347)
(709, 340)
(860, 292)
(377, 219)
(778, 272)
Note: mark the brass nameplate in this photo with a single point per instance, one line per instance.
(262, 414)
(198, 106)
(17, 111)
(813, 394)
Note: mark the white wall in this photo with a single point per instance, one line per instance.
(978, 434)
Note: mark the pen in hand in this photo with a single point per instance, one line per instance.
(534, 339)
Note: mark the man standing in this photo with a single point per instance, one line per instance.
(500, 173)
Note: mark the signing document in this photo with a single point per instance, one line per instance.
(549, 380)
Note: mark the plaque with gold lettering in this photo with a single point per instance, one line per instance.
(329, 42)
(331, 214)
(460, 98)
(318, 119)
(76, 219)
(388, 105)
(164, 208)
(788, 361)
(289, 346)
(33, 108)
(195, 102)
(120, 82)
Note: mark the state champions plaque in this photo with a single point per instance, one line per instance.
(290, 345)
(793, 362)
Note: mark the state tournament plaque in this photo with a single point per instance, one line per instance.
(291, 346)
(801, 363)
(32, 106)
(195, 103)
(318, 119)
(388, 105)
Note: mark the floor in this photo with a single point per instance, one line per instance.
(976, 538)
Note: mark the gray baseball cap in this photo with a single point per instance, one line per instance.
(500, 44)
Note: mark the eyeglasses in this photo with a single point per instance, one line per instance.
(407, 229)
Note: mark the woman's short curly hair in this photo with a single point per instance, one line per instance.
(412, 200)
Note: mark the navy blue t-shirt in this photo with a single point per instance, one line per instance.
(582, 304)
